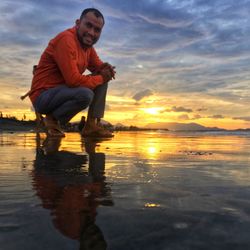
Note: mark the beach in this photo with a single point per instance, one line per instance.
(145, 190)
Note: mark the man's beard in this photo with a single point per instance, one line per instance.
(84, 45)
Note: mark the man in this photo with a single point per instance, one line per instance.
(60, 91)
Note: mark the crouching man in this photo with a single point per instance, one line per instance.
(59, 88)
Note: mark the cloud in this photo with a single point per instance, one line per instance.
(195, 52)
(246, 118)
(216, 117)
(201, 109)
(140, 95)
(183, 117)
(179, 109)
(196, 117)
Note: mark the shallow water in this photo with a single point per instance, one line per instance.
(139, 190)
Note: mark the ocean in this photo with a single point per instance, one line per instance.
(139, 190)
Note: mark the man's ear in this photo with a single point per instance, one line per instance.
(77, 22)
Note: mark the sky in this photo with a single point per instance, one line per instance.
(184, 61)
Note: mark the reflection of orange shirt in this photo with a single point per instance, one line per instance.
(63, 62)
(73, 207)
(74, 212)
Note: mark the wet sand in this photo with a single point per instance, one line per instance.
(138, 190)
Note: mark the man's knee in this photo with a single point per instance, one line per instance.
(84, 96)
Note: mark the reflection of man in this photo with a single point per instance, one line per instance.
(72, 193)
(60, 90)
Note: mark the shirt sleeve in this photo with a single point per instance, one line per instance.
(94, 61)
(65, 55)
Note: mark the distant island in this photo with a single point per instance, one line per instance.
(13, 124)
(175, 126)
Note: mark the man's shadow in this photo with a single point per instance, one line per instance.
(72, 186)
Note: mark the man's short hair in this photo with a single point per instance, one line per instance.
(93, 10)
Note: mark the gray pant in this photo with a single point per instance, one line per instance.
(64, 103)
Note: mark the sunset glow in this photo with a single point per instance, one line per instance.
(180, 62)
(153, 110)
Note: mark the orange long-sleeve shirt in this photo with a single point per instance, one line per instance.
(63, 62)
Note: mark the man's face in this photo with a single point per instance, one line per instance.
(89, 29)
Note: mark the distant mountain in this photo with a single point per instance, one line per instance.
(119, 125)
(106, 123)
(175, 126)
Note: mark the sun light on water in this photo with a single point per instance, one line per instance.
(152, 150)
